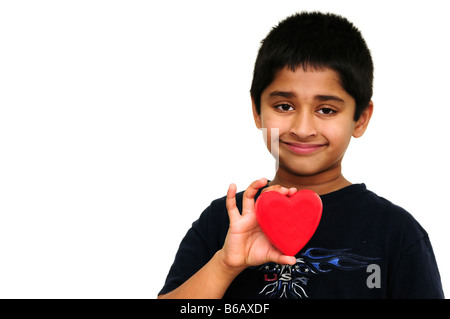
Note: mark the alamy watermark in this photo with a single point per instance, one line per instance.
(274, 146)
(374, 279)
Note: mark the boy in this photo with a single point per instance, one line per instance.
(312, 83)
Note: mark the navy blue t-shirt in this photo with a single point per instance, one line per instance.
(364, 247)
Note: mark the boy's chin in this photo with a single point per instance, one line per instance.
(304, 172)
(302, 169)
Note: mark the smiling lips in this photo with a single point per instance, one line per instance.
(303, 148)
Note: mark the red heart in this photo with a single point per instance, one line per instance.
(289, 222)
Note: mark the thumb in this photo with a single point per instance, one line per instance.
(277, 257)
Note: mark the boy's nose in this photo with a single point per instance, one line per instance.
(303, 126)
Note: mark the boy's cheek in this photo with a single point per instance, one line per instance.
(268, 121)
(275, 124)
(338, 132)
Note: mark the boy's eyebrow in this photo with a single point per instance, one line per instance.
(285, 94)
(322, 98)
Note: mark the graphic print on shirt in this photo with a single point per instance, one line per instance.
(290, 281)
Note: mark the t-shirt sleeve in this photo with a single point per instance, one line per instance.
(198, 246)
(417, 275)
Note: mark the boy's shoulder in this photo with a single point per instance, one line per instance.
(378, 212)
(357, 196)
(386, 208)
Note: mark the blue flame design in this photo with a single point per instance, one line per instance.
(324, 260)
(290, 281)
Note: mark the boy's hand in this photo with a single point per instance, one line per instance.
(245, 244)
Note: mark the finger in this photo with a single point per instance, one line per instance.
(232, 209)
(287, 260)
(292, 191)
(277, 188)
(248, 201)
(277, 257)
(283, 190)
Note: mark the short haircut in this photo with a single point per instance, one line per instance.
(316, 40)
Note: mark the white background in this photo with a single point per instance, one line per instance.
(120, 121)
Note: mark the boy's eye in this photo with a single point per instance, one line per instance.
(284, 107)
(326, 111)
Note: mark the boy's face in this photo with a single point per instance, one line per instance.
(314, 115)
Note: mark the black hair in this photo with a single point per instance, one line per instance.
(316, 40)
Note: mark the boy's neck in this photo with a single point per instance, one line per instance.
(322, 183)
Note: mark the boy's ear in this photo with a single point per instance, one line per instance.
(256, 116)
(363, 121)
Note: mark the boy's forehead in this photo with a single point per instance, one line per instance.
(305, 81)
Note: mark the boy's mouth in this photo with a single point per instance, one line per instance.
(303, 148)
